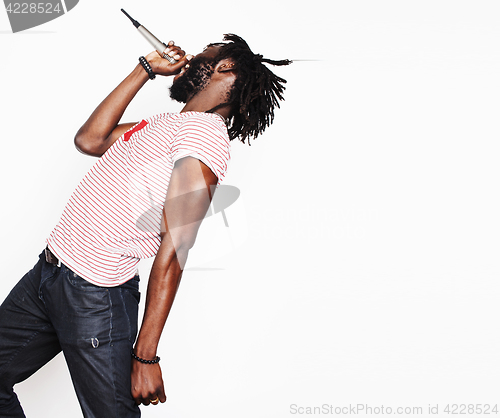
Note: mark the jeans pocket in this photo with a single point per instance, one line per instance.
(79, 283)
(131, 309)
(135, 294)
(132, 287)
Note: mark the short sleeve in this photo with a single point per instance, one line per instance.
(203, 136)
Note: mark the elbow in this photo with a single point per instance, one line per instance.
(85, 145)
(79, 143)
(188, 243)
(182, 242)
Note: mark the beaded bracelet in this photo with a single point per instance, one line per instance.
(154, 361)
(147, 67)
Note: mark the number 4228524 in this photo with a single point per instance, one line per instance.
(33, 8)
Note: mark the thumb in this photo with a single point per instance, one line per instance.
(161, 395)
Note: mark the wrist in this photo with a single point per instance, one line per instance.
(140, 74)
(147, 68)
(154, 360)
(145, 351)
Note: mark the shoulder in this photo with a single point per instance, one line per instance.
(190, 124)
(204, 122)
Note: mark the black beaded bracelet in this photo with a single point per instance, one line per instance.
(147, 67)
(154, 361)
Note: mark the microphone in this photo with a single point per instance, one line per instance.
(153, 40)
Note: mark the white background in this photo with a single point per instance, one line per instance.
(364, 263)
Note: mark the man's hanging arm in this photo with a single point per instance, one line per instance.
(188, 199)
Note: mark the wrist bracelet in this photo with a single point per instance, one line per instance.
(141, 360)
(147, 67)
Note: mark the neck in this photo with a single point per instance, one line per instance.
(224, 111)
(211, 96)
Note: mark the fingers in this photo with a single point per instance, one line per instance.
(162, 66)
(174, 51)
(181, 65)
(178, 54)
(152, 399)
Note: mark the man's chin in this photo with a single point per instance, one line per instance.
(179, 95)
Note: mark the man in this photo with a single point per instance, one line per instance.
(145, 196)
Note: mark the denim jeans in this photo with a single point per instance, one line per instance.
(53, 309)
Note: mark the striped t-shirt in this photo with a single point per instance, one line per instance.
(113, 218)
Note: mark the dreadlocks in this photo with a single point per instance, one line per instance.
(256, 90)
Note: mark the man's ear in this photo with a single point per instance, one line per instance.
(225, 65)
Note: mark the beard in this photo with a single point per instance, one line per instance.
(193, 80)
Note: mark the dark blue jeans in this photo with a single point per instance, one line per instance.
(53, 309)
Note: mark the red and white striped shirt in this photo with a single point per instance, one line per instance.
(113, 218)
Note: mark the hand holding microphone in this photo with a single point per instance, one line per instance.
(170, 53)
(162, 66)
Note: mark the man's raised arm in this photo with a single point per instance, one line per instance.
(101, 129)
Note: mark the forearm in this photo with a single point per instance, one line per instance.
(146, 379)
(94, 136)
(163, 283)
